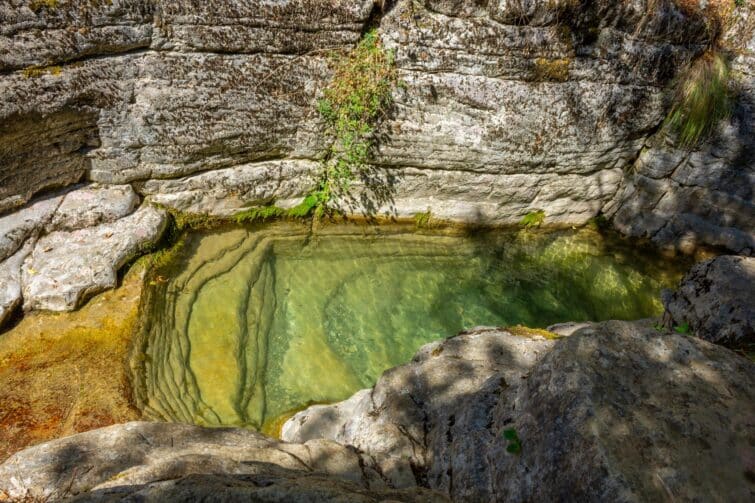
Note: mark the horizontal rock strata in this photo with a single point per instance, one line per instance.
(502, 109)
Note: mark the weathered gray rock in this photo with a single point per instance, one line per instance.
(66, 268)
(682, 199)
(16, 228)
(407, 420)
(616, 411)
(717, 301)
(10, 281)
(223, 192)
(505, 108)
(93, 205)
(173, 462)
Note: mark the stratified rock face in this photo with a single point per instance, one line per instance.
(683, 198)
(503, 108)
(616, 411)
(172, 462)
(717, 301)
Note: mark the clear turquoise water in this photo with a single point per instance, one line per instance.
(255, 322)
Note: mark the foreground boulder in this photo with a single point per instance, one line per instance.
(716, 301)
(173, 462)
(615, 412)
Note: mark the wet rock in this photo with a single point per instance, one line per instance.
(171, 462)
(615, 411)
(66, 268)
(716, 301)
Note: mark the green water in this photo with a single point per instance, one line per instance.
(255, 322)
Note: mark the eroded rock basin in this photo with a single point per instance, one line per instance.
(248, 325)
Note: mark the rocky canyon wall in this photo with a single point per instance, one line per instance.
(503, 108)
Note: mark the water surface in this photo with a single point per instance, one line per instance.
(254, 322)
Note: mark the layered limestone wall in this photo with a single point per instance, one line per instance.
(503, 108)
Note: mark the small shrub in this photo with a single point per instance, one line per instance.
(682, 329)
(356, 98)
(532, 219)
(702, 99)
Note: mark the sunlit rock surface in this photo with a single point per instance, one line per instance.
(66, 268)
(616, 411)
(64, 247)
(503, 108)
(250, 324)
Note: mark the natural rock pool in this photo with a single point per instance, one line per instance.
(249, 324)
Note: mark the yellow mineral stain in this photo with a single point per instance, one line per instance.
(63, 373)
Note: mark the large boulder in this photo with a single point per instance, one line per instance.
(174, 462)
(716, 301)
(616, 411)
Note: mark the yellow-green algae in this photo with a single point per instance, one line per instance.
(252, 323)
(63, 373)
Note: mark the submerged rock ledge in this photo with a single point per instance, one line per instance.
(616, 411)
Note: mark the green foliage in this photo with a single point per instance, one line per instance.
(422, 219)
(532, 219)
(191, 221)
(514, 444)
(682, 329)
(354, 101)
(259, 213)
(702, 99)
(313, 203)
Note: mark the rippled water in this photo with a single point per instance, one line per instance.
(252, 323)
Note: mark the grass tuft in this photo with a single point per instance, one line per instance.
(702, 99)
